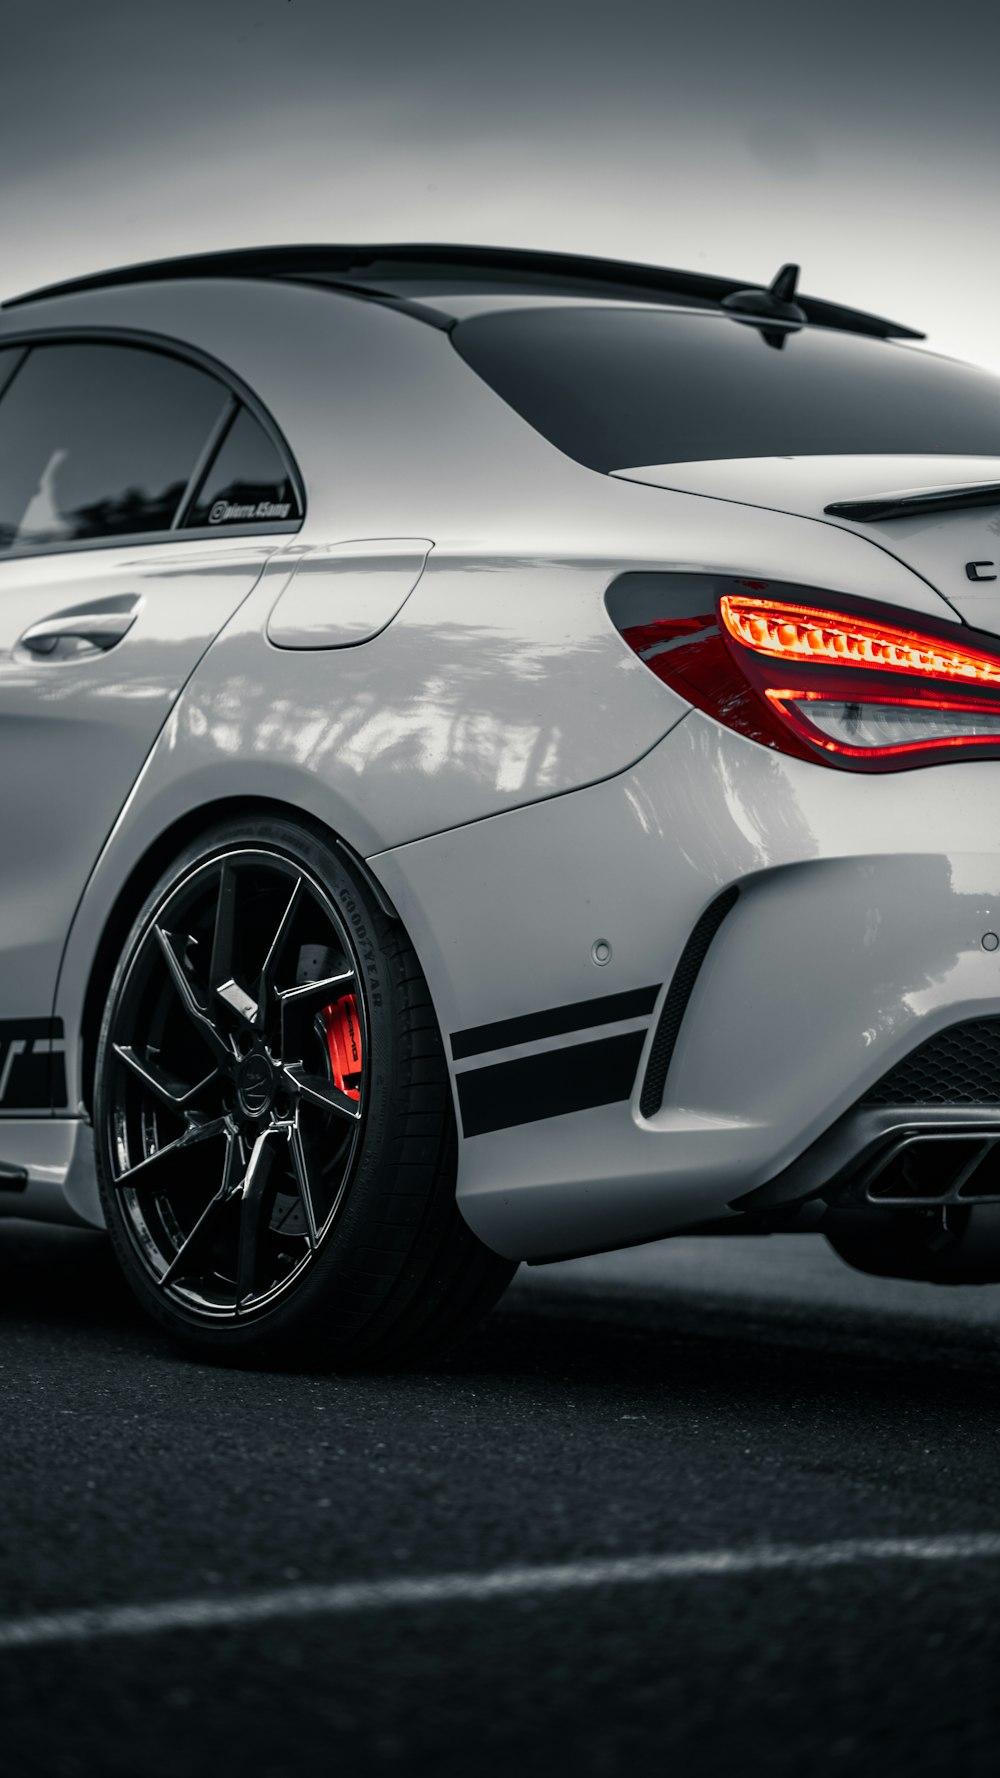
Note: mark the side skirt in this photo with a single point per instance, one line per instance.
(47, 1171)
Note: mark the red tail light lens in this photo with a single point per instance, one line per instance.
(806, 633)
(847, 685)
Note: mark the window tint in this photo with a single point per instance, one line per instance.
(617, 388)
(98, 441)
(248, 483)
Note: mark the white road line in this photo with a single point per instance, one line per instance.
(501, 1583)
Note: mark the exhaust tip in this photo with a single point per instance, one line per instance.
(940, 1168)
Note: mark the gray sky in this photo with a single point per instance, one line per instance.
(861, 138)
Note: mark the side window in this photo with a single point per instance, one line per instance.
(248, 483)
(100, 440)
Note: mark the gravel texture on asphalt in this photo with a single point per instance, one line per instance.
(691, 1396)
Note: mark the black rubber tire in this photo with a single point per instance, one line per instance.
(400, 1275)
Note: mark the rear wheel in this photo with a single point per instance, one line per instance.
(273, 1119)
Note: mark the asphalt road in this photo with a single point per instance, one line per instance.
(699, 1400)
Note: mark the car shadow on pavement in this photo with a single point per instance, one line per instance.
(629, 1339)
(653, 1352)
(50, 1274)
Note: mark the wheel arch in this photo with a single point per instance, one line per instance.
(149, 867)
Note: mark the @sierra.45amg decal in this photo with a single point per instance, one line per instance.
(32, 1068)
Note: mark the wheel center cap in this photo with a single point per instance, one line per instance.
(256, 1083)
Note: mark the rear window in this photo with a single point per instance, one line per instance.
(248, 482)
(619, 388)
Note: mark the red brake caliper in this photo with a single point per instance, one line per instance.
(343, 1038)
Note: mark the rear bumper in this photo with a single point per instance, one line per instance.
(856, 934)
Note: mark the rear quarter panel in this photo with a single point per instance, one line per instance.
(502, 682)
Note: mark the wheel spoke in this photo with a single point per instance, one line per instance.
(251, 1212)
(300, 1167)
(196, 1013)
(191, 1137)
(309, 997)
(266, 983)
(224, 931)
(171, 1091)
(323, 1093)
(210, 1214)
(239, 1000)
(221, 980)
(315, 993)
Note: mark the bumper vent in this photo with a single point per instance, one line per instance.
(960, 1066)
(679, 993)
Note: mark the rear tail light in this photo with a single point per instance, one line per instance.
(836, 638)
(849, 685)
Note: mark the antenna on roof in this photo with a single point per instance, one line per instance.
(776, 303)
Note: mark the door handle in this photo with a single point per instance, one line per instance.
(88, 630)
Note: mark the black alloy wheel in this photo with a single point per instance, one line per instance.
(273, 1118)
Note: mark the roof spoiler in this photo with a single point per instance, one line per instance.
(374, 271)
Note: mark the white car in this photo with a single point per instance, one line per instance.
(500, 760)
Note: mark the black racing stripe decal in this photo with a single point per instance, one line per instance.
(550, 1085)
(32, 1064)
(606, 1009)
